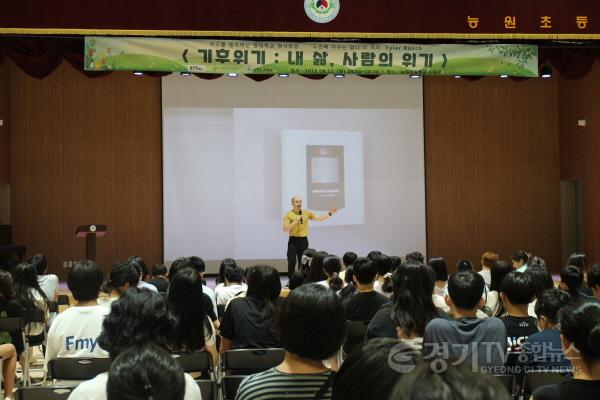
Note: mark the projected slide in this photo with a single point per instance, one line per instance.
(236, 151)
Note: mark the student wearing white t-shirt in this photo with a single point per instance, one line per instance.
(48, 282)
(234, 277)
(75, 331)
(137, 317)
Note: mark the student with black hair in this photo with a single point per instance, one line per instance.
(159, 278)
(347, 260)
(384, 361)
(48, 282)
(142, 270)
(348, 291)
(234, 285)
(571, 281)
(579, 324)
(200, 267)
(249, 322)
(415, 257)
(412, 309)
(316, 272)
(481, 342)
(493, 304)
(312, 327)
(296, 280)
(74, 332)
(594, 280)
(519, 260)
(516, 293)
(137, 318)
(542, 280)
(145, 372)
(383, 280)
(220, 279)
(464, 265)
(579, 260)
(332, 268)
(122, 277)
(441, 276)
(30, 296)
(305, 261)
(542, 350)
(454, 382)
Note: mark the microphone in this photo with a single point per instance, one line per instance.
(301, 217)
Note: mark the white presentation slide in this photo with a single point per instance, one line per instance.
(236, 151)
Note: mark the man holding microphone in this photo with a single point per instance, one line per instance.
(295, 222)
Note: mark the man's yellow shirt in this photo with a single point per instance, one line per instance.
(300, 230)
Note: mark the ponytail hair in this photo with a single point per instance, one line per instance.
(580, 324)
(383, 264)
(332, 267)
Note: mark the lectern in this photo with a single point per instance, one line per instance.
(90, 232)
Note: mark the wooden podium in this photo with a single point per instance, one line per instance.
(90, 232)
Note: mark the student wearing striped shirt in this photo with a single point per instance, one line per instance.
(312, 325)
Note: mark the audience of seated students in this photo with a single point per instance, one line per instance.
(480, 342)
(383, 281)
(453, 382)
(226, 262)
(519, 260)
(122, 277)
(29, 294)
(249, 322)
(412, 309)
(11, 345)
(542, 350)
(579, 260)
(372, 371)
(438, 264)
(464, 265)
(571, 281)
(580, 338)
(541, 280)
(594, 280)
(145, 372)
(332, 267)
(316, 273)
(516, 293)
(159, 278)
(138, 317)
(312, 326)
(48, 282)
(142, 270)
(347, 260)
(493, 305)
(195, 330)
(200, 267)
(184, 262)
(487, 262)
(74, 332)
(234, 285)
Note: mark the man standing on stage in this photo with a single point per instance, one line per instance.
(295, 222)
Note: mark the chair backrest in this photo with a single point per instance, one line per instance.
(230, 385)
(34, 315)
(508, 381)
(356, 329)
(11, 324)
(63, 300)
(77, 369)
(196, 362)
(536, 379)
(207, 389)
(250, 361)
(44, 393)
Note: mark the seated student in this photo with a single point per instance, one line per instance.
(142, 270)
(200, 267)
(312, 326)
(249, 321)
(464, 265)
(316, 273)
(594, 280)
(516, 293)
(347, 260)
(364, 305)
(220, 279)
(372, 371)
(383, 281)
(30, 296)
(194, 330)
(296, 280)
(580, 338)
(332, 267)
(454, 382)
(543, 349)
(159, 278)
(48, 282)
(415, 257)
(487, 261)
(234, 285)
(349, 290)
(122, 277)
(571, 281)
(138, 317)
(480, 342)
(493, 304)
(579, 260)
(519, 260)
(441, 276)
(541, 279)
(74, 332)
(145, 372)
(412, 308)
